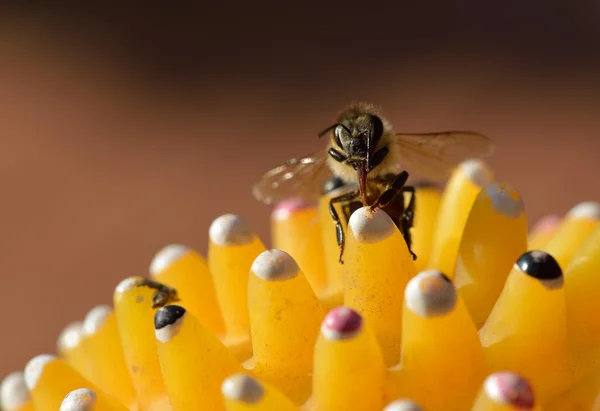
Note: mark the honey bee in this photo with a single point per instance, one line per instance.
(366, 158)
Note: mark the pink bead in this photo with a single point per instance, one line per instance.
(287, 207)
(341, 322)
(510, 388)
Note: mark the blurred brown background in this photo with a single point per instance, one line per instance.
(123, 130)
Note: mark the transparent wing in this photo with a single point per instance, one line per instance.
(434, 155)
(299, 177)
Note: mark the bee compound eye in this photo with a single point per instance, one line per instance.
(338, 134)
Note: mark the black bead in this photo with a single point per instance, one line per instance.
(167, 315)
(540, 265)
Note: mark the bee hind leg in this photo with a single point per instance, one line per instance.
(339, 230)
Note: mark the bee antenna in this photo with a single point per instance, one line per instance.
(345, 128)
(327, 130)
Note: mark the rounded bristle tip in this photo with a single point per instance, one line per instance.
(371, 227)
(167, 322)
(341, 323)
(430, 293)
(546, 223)
(35, 368)
(13, 391)
(127, 284)
(509, 388)
(275, 265)
(505, 200)
(243, 388)
(539, 264)
(477, 171)
(586, 209)
(70, 336)
(82, 399)
(285, 209)
(402, 405)
(166, 256)
(230, 230)
(95, 319)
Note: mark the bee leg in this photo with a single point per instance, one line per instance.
(379, 156)
(339, 230)
(388, 195)
(408, 218)
(163, 294)
(337, 156)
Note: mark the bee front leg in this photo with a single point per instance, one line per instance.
(163, 294)
(339, 230)
(408, 219)
(388, 195)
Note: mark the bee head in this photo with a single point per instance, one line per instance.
(357, 137)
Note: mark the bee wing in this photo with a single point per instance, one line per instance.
(434, 155)
(299, 177)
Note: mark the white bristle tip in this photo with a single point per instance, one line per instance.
(371, 227)
(505, 200)
(82, 399)
(477, 171)
(70, 336)
(166, 333)
(242, 388)
(127, 284)
(95, 318)
(167, 256)
(230, 230)
(430, 294)
(13, 391)
(35, 368)
(403, 405)
(275, 265)
(587, 210)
